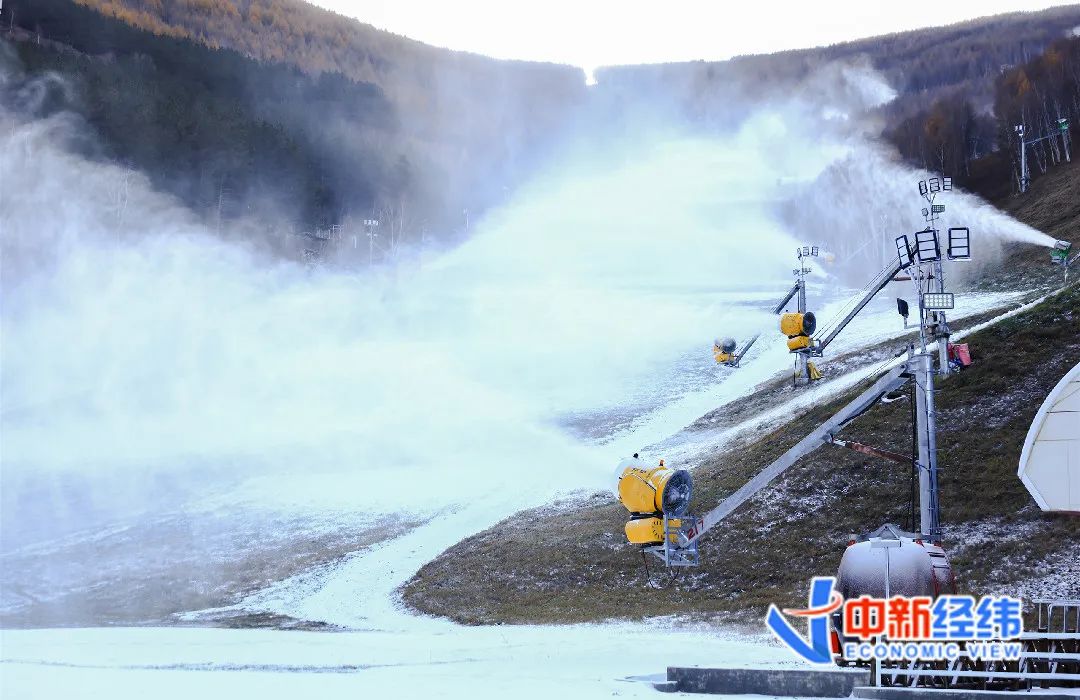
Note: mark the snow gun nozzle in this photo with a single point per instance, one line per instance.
(1060, 253)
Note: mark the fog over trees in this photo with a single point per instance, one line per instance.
(303, 119)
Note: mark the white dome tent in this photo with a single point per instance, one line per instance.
(1050, 460)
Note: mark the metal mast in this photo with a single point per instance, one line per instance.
(922, 259)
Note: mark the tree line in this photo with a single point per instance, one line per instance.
(228, 103)
(950, 136)
(923, 66)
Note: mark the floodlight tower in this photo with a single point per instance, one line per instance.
(802, 369)
(370, 226)
(922, 260)
(929, 189)
(1062, 131)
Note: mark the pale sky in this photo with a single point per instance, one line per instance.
(605, 32)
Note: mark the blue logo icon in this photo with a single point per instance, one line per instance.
(822, 601)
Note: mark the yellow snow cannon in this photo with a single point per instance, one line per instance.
(649, 529)
(650, 493)
(655, 490)
(724, 350)
(658, 499)
(798, 328)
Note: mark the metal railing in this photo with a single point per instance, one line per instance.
(1049, 658)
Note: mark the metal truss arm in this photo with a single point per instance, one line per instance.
(892, 380)
(883, 278)
(794, 290)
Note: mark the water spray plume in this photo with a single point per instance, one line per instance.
(146, 359)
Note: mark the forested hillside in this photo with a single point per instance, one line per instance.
(951, 135)
(960, 88)
(922, 65)
(428, 135)
(308, 119)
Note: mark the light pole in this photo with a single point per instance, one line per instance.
(1019, 129)
(923, 259)
(929, 189)
(1063, 126)
(801, 369)
(370, 225)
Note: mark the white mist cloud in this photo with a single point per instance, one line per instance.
(137, 346)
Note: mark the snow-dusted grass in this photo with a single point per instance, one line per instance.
(796, 528)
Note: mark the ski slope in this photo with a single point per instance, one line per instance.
(521, 662)
(388, 650)
(177, 407)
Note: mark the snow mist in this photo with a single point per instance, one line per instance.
(147, 362)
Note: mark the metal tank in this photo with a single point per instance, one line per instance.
(889, 562)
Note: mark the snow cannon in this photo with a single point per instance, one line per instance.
(1059, 254)
(652, 495)
(724, 350)
(798, 328)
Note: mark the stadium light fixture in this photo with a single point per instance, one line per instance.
(959, 243)
(926, 245)
(935, 185)
(938, 300)
(937, 208)
(946, 184)
(922, 188)
(903, 251)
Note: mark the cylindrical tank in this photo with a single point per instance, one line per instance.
(911, 567)
(866, 565)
